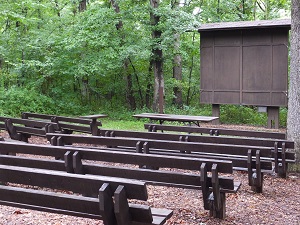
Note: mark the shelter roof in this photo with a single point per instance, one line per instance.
(245, 25)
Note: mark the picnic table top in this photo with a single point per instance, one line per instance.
(173, 117)
(96, 116)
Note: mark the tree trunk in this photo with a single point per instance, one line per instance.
(82, 6)
(293, 123)
(149, 86)
(127, 75)
(85, 93)
(177, 73)
(177, 67)
(157, 60)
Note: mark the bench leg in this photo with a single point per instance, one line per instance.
(204, 186)
(121, 206)
(13, 133)
(213, 201)
(106, 205)
(69, 162)
(218, 209)
(282, 167)
(219, 212)
(255, 178)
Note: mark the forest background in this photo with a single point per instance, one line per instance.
(78, 57)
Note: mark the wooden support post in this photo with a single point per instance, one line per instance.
(255, 178)
(139, 147)
(216, 113)
(53, 141)
(258, 178)
(121, 206)
(273, 117)
(276, 157)
(77, 163)
(218, 210)
(55, 120)
(60, 141)
(250, 168)
(13, 132)
(106, 205)
(154, 129)
(69, 162)
(94, 128)
(282, 169)
(181, 139)
(204, 186)
(146, 147)
(49, 128)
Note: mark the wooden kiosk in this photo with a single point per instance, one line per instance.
(245, 63)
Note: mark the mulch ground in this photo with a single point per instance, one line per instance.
(278, 204)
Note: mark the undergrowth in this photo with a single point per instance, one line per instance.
(14, 100)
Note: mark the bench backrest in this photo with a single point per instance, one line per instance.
(215, 131)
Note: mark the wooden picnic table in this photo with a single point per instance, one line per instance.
(94, 117)
(177, 118)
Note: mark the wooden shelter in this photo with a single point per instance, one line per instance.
(245, 63)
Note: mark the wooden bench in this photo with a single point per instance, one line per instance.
(96, 197)
(22, 129)
(255, 160)
(214, 131)
(87, 124)
(231, 140)
(213, 186)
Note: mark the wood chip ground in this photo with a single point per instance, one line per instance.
(278, 204)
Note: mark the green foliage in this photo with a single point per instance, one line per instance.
(73, 63)
(242, 115)
(14, 101)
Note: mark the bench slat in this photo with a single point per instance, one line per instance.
(84, 184)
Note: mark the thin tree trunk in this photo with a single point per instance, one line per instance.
(82, 6)
(293, 122)
(177, 67)
(57, 8)
(127, 75)
(157, 60)
(137, 81)
(85, 93)
(188, 97)
(149, 86)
